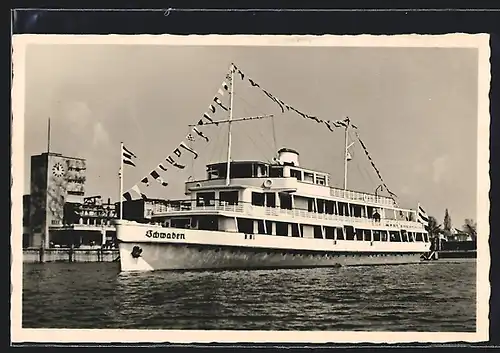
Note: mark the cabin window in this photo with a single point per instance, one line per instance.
(329, 233)
(282, 229)
(213, 174)
(357, 210)
(359, 234)
(205, 199)
(376, 235)
(245, 225)
(294, 173)
(208, 223)
(308, 177)
(318, 234)
(243, 170)
(269, 227)
(285, 201)
(329, 207)
(260, 227)
(349, 233)
(321, 205)
(419, 237)
(180, 223)
(276, 172)
(270, 199)
(395, 236)
(340, 234)
(404, 236)
(383, 234)
(310, 205)
(321, 179)
(426, 237)
(228, 197)
(258, 199)
(343, 209)
(370, 211)
(411, 237)
(295, 230)
(367, 235)
(259, 170)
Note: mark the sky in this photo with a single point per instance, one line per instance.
(416, 110)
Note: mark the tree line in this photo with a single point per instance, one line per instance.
(434, 228)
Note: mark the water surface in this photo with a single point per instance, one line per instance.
(437, 296)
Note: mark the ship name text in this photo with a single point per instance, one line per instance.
(161, 235)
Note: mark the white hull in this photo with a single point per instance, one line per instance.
(188, 249)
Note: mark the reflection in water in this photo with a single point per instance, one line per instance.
(425, 297)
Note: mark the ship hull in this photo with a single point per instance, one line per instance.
(149, 248)
(156, 257)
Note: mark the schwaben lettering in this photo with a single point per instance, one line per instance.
(161, 235)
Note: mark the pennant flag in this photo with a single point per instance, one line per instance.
(157, 177)
(162, 167)
(190, 137)
(127, 196)
(253, 83)
(127, 156)
(211, 107)
(200, 122)
(422, 216)
(138, 191)
(217, 100)
(145, 181)
(349, 156)
(175, 164)
(200, 134)
(221, 92)
(225, 86)
(208, 117)
(187, 148)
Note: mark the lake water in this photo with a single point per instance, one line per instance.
(436, 296)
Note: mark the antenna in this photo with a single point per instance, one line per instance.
(228, 176)
(48, 137)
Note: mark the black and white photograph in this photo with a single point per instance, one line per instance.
(250, 188)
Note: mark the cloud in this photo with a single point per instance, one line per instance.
(439, 166)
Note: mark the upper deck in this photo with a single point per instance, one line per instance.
(280, 177)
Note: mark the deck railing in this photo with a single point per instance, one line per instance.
(256, 211)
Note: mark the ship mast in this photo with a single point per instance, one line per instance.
(228, 176)
(345, 155)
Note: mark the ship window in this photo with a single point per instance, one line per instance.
(282, 229)
(340, 234)
(395, 236)
(367, 235)
(349, 233)
(376, 235)
(205, 199)
(262, 171)
(270, 199)
(317, 232)
(269, 227)
(295, 230)
(276, 172)
(241, 170)
(245, 225)
(356, 210)
(208, 223)
(321, 179)
(257, 199)
(359, 234)
(370, 211)
(321, 205)
(310, 205)
(228, 197)
(343, 209)
(411, 237)
(426, 237)
(329, 233)
(260, 227)
(180, 222)
(383, 234)
(285, 201)
(329, 207)
(294, 173)
(419, 237)
(308, 177)
(404, 236)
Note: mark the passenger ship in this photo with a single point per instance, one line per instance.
(256, 215)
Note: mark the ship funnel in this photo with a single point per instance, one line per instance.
(288, 156)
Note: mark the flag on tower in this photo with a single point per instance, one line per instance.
(127, 156)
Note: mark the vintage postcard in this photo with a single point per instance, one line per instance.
(305, 189)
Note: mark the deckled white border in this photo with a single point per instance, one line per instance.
(479, 41)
